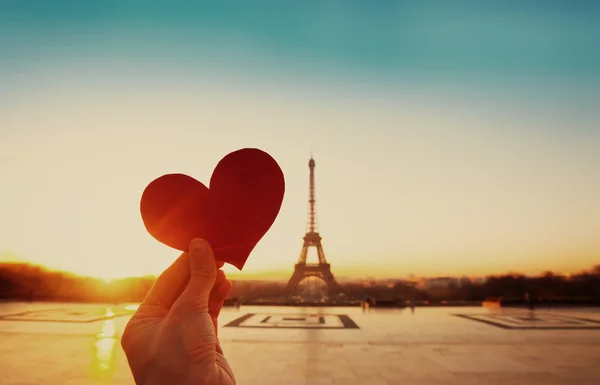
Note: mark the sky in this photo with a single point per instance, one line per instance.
(449, 139)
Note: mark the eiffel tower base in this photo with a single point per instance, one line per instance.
(322, 270)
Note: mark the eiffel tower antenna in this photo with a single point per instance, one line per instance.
(312, 238)
(312, 215)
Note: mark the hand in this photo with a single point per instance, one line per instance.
(172, 337)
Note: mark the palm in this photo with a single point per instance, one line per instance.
(178, 343)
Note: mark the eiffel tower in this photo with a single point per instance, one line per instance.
(322, 269)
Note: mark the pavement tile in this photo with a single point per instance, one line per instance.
(391, 346)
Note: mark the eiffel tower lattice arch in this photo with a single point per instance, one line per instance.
(312, 238)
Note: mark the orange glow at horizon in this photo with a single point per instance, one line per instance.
(345, 272)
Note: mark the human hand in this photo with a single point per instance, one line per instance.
(172, 337)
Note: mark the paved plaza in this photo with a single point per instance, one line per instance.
(80, 344)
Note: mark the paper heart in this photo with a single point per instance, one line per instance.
(245, 195)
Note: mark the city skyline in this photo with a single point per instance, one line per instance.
(457, 140)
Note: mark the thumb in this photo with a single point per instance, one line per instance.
(203, 274)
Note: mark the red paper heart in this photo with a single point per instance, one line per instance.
(245, 195)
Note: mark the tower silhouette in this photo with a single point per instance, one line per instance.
(322, 269)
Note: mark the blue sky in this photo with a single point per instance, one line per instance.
(453, 133)
(547, 40)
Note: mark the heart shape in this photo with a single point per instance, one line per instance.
(245, 195)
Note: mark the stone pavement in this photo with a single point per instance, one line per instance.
(315, 346)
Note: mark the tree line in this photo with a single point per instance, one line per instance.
(33, 283)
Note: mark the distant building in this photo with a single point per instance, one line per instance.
(441, 283)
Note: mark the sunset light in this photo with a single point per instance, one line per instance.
(299, 192)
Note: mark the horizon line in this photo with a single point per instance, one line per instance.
(281, 275)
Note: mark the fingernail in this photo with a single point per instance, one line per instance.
(198, 244)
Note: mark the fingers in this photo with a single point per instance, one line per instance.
(203, 275)
(217, 297)
(220, 278)
(176, 278)
(169, 284)
(219, 294)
